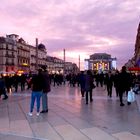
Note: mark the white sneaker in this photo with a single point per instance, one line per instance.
(37, 114)
(30, 114)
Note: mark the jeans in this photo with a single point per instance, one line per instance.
(36, 95)
(44, 101)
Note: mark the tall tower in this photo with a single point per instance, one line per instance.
(64, 70)
(79, 62)
(36, 53)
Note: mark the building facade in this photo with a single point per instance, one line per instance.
(8, 54)
(134, 62)
(100, 62)
(137, 48)
(23, 56)
(37, 57)
(56, 65)
(18, 56)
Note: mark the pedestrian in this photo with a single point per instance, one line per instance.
(22, 81)
(116, 82)
(8, 82)
(109, 83)
(37, 88)
(125, 83)
(16, 82)
(46, 89)
(82, 82)
(3, 88)
(89, 85)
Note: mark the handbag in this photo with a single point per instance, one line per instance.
(131, 96)
(93, 86)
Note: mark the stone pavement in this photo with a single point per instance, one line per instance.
(69, 118)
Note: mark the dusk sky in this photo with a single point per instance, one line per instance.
(82, 27)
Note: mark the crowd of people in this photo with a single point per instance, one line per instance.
(40, 83)
(122, 81)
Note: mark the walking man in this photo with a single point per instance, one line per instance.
(124, 84)
(2, 88)
(109, 83)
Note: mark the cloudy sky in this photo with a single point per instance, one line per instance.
(82, 27)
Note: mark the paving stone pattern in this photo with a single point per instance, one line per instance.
(69, 118)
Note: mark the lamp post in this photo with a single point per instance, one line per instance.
(64, 63)
(79, 62)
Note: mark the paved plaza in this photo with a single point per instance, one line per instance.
(69, 118)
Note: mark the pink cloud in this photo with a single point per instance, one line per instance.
(82, 27)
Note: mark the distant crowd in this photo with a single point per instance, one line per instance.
(122, 81)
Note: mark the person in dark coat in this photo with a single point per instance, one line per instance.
(16, 82)
(124, 84)
(82, 82)
(46, 89)
(116, 82)
(88, 85)
(109, 83)
(22, 81)
(8, 83)
(101, 79)
(2, 88)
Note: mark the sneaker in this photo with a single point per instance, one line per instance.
(30, 114)
(37, 114)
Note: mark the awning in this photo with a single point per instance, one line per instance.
(134, 69)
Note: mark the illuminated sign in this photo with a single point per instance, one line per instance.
(24, 64)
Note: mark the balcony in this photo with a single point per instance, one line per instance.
(10, 55)
(9, 63)
(33, 55)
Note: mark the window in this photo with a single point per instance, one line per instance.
(6, 46)
(6, 52)
(12, 61)
(6, 60)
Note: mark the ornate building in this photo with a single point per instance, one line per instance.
(100, 62)
(56, 65)
(18, 56)
(23, 56)
(37, 56)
